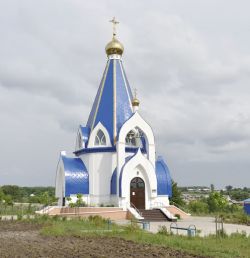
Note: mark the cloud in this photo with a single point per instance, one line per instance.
(191, 71)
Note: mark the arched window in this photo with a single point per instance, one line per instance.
(134, 138)
(100, 138)
(131, 139)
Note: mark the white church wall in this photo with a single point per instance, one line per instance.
(160, 201)
(73, 199)
(100, 167)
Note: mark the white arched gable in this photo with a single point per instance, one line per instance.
(93, 134)
(136, 121)
(79, 141)
(139, 166)
(60, 180)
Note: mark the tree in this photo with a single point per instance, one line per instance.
(12, 190)
(176, 198)
(1, 195)
(216, 202)
(199, 207)
(229, 188)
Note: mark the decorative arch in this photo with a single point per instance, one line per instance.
(136, 121)
(138, 166)
(99, 131)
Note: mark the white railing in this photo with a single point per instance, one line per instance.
(131, 207)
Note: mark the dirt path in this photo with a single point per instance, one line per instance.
(25, 241)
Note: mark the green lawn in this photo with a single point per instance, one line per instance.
(236, 245)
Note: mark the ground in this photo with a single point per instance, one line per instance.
(24, 240)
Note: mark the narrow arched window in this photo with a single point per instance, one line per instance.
(100, 138)
(134, 138)
(131, 139)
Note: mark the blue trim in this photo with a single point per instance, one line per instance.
(106, 149)
(113, 182)
(95, 150)
(76, 176)
(164, 181)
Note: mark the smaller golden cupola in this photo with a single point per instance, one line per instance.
(135, 102)
(114, 46)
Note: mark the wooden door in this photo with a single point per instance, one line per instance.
(137, 193)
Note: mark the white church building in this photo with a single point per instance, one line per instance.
(114, 162)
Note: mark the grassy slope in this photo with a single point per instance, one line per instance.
(234, 246)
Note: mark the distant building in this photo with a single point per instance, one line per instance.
(246, 204)
(114, 160)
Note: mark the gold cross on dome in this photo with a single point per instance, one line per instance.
(115, 22)
(135, 93)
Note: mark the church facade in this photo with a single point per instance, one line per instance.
(114, 162)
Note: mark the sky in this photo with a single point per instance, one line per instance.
(188, 59)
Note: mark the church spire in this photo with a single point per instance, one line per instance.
(114, 48)
(113, 102)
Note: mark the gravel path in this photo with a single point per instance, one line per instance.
(205, 224)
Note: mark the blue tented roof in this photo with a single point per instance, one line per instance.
(113, 102)
(85, 134)
(76, 176)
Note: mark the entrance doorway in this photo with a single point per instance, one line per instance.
(137, 193)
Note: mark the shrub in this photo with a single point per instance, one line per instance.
(178, 216)
(163, 231)
(199, 207)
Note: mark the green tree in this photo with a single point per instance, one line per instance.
(229, 188)
(8, 201)
(1, 195)
(176, 198)
(198, 207)
(12, 190)
(216, 202)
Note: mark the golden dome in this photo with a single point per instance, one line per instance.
(114, 47)
(135, 102)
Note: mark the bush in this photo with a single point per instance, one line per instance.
(198, 207)
(178, 216)
(163, 231)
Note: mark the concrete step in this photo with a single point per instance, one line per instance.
(153, 215)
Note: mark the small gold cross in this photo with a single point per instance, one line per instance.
(115, 22)
(135, 93)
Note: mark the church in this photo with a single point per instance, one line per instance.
(114, 162)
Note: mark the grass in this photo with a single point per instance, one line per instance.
(17, 210)
(236, 245)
